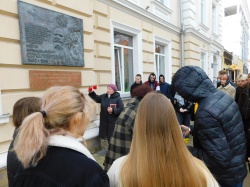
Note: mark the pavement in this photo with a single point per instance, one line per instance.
(100, 155)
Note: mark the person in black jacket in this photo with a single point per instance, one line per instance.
(183, 110)
(47, 143)
(242, 99)
(218, 133)
(111, 107)
(137, 82)
(22, 108)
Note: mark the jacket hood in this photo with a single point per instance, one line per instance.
(149, 77)
(163, 79)
(192, 83)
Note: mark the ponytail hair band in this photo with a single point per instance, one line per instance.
(43, 113)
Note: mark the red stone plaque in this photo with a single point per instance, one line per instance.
(46, 79)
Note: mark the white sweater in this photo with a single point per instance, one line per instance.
(114, 174)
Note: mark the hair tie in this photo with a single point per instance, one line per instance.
(43, 113)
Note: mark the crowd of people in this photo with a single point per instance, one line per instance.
(144, 138)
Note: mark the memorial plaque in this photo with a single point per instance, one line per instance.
(49, 38)
(46, 79)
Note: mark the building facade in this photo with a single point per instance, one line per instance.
(121, 38)
(235, 31)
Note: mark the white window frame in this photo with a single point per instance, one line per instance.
(164, 2)
(214, 18)
(167, 53)
(203, 62)
(137, 49)
(137, 2)
(203, 12)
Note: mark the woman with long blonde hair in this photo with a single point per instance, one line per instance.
(47, 143)
(158, 155)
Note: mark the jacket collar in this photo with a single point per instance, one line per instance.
(70, 143)
(227, 86)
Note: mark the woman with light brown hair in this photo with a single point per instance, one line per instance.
(47, 145)
(158, 155)
(22, 108)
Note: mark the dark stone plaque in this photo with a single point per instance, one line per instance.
(49, 37)
(46, 79)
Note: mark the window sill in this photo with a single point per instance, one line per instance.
(214, 35)
(4, 118)
(3, 160)
(204, 27)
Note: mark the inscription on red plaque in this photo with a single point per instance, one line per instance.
(46, 79)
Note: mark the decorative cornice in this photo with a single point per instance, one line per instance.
(137, 11)
(192, 32)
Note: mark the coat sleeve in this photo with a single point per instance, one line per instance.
(214, 149)
(95, 97)
(119, 107)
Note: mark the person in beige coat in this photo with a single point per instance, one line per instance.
(226, 86)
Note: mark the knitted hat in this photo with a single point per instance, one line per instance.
(242, 77)
(113, 87)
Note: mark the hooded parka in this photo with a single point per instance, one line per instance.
(218, 134)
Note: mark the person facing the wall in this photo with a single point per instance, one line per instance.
(22, 108)
(158, 155)
(47, 143)
(120, 141)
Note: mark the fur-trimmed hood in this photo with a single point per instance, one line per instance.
(69, 142)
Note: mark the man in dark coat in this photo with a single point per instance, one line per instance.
(152, 81)
(242, 99)
(137, 82)
(111, 107)
(218, 134)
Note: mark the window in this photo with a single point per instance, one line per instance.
(135, 1)
(203, 12)
(126, 56)
(159, 60)
(161, 8)
(214, 18)
(203, 61)
(164, 2)
(163, 58)
(123, 55)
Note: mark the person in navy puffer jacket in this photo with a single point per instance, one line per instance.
(218, 133)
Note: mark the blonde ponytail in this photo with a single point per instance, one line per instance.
(59, 105)
(32, 140)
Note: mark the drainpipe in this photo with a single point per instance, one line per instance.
(182, 34)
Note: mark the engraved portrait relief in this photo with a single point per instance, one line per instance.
(49, 37)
